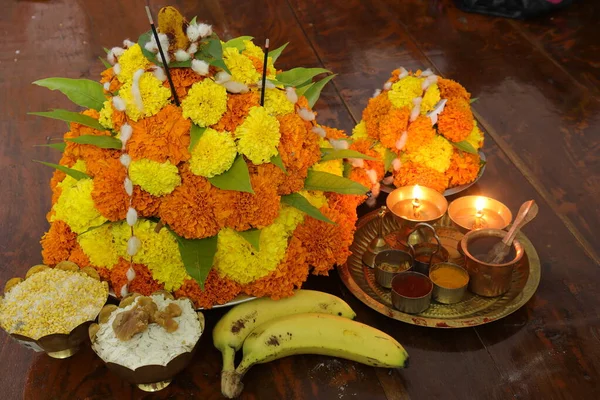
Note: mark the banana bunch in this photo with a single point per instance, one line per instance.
(310, 322)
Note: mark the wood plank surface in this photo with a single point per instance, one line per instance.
(546, 129)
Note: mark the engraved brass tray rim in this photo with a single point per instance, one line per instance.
(513, 305)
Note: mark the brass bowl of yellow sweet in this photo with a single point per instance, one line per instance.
(50, 310)
(142, 347)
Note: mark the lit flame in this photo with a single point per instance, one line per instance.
(479, 206)
(417, 193)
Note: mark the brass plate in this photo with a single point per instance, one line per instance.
(472, 311)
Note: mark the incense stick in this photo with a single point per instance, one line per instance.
(264, 75)
(162, 56)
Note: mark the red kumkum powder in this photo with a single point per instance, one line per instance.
(413, 286)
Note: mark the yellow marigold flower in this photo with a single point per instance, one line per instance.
(98, 245)
(404, 91)
(475, 137)
(154, 96)
(430, 99)
(258, 136)
(238, 260)
(379, 148)
(106, 113)
(213, 154)
(314, 197)
(435, 154)
(153, 177)
(335, 167)
(130, 61)
(360, 131)
(75, 205)
(276, 102)
(159, 252)
(241, 67)
(256, 52)
(205, 103)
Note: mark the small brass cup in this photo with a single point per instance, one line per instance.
(488, 280)
(406, 304)
(395, 257)
(446, 295)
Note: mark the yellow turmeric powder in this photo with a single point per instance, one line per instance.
(449, 277)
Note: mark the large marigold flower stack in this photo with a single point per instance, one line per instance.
(425, 130)
(217, 197)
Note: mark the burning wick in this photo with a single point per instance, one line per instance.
(479, 205)
(416, 203)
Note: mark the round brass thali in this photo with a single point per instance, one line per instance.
(473, 310)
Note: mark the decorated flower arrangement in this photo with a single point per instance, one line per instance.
(423, 129)
(197, 188)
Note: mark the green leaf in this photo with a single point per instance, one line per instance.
(104, 142)
(314, 91)
(83, 92)
(297, 76)
(300, 91)
(389, 158)
(105, 63)
(56, 146)
(298, 201)
(277, 52)
(252, 236)
(235, 178)
(215, 49)
(106, 50)
(93, 228)
(279, 162)
(473, 100)
(150, 56)
(73, 173)
(195, 135)
(220, 64)
(465, 146)
(238, 42)
(326, 182)
(347, 169)
(333, 154)
(70, 116)
(197, 256)
(193, 21)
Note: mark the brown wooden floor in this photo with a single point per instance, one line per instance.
(538, 84)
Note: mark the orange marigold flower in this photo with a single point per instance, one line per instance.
(57, 243)
(161, 137)
(291, 272)
(217, 290)
(80, 258)
(57, 177)
(376, 108)
(357, 175)
(108, 193)
(118, 119)
(143, 282)
(392, 125)
(455, 123)
(144, 203)
(108, 75)
(395, 75)
(332, 133)
(420, 132)
(238, 106)
(450, 89)
(364, 146)
(183, 79)
(258, 64)
(412, 173)
(463, 169)
(87, 152)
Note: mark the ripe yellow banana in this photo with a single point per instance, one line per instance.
(231, 330)
(315, 334)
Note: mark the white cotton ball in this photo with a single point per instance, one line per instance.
(128, 43)
(376, 189)
(125, 160)
(376, 93)
(437, 109)
(193, 32)
(164, 41)
(372, 174)
(291, 95)
(107, 86)
(339, 144)
(403, 73)
(193, 48)
(357, 162)
(117, 69)
(118, 103)
(124, 291)
(388, 180)
(130, 274)
(221, 77)
(400, 143)
(151, 46)
(135, 89)
(396, 164)
(114, 54)
(126, 131)
(205, 30)
(132, 216)
(415, 112)
(200, 67)
(133, 245)
(159, 73)
(319, 131)
(128, 186)
(181, 55)
(430, 80)
(417, 101)
(387, 86)
(306, 115)
(235, 87)
(427, 72)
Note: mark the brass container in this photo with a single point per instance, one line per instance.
(446, 295)
(502, 214)
(489, 280)
(410, 305)
(395, 257)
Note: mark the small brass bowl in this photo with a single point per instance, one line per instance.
(446, 295)
(437, 202)
(407, 304)
(488, 280)
(395, 257)
(426, 255)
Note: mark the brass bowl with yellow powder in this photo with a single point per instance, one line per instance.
(50, 310)
(450, 282)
